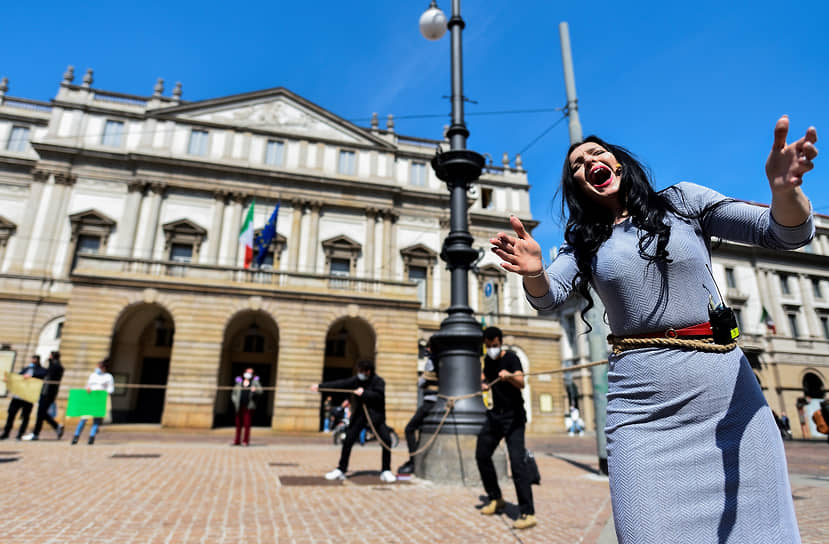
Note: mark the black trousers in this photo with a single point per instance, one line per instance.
(509, 425)
(43, 414)
(352, 433)
(416, 422)
(18, 405)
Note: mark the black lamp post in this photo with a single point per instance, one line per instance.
(457, 344)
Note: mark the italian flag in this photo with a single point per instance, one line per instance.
(246, 235)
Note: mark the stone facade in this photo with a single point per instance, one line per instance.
(119, 225)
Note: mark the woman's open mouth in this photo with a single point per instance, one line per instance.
(600, 176)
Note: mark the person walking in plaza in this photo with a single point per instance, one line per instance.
(369, 391)
(32, 370)
(694, 453)
(99, 380)
(428, 383)
(327, 416)
(246, 391)
(506, 420)
(54, 374)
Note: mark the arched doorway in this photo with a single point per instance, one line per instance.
(49, 338)
(813, 390)
(348, 340)
(140, 353)
(251, 340)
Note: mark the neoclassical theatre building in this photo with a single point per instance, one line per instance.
(119, 223)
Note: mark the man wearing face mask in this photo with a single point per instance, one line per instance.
(369, 390)
(54, 373)
(507, 420)
(246, 392)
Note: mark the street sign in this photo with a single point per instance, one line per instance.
(488, 289)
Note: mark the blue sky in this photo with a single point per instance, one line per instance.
(693, 88)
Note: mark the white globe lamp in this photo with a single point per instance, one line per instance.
(433, 23)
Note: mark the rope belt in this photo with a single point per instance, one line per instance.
(706, 344)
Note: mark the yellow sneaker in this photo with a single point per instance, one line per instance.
(493, 506)
(525, 522)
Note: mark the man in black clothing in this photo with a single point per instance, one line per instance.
(32, 370)
(507, 419)
(428, 382)
(54, 373)
(369, 390)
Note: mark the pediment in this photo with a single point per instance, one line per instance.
(274, 110)
(491, 270)
(418, 251)
(5, 224)
(342, 242)
(92, 218)
(184, 227)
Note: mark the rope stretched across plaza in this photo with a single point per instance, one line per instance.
(451, 400)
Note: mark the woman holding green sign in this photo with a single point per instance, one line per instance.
(100, 380)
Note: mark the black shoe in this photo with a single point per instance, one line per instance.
(74, 440)
(91, 440)
(59, 430)
(406, 468)
(3, 436)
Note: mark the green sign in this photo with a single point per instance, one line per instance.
(86, 403)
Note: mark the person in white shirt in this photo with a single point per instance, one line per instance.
(100, 380)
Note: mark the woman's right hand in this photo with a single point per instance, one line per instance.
(521, 253)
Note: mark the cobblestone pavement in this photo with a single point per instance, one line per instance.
(173, 487)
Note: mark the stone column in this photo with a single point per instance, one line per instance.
(314, 235)
(155, 196)
(386, 252)
(45, 241)
(214, 236)
(368, 249)
(807, 298)
(232, 229)
(296, 234)
(23, 235)
(128, 226)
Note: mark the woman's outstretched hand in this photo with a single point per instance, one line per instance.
(520, 253)
(788, 162)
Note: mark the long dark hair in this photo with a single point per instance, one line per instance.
(589, 226)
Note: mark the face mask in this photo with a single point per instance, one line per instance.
(98, 371)
(247, 375)
(493, 352)
(362, 376)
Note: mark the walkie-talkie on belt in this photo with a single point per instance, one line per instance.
(722, 318)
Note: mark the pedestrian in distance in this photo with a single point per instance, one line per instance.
(369, 391)
(428, 383)
(327, 417)
(245, 394)
(32, 370)
(506, 420)
(54, 374)
(99, 380)
(689, 433)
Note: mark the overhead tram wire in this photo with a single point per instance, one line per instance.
(537, 138)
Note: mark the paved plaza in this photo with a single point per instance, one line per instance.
(158, 486)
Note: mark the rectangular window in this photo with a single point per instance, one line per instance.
(486, 198)
(816, 290)
(181, 253)
(198, 143)
(784, 284)
(267, 262)
(417, 274)
(418, 174)
(18, 139)
(59, 331)
(793, 324)
(347, 162)
(340, 267)
(274, 153)
(113, 133)
(824, 326)
(86, 245)
(738, 314)
(730, 280)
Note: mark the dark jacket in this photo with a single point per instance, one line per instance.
(54, 373)
(374, 397)
(254, 390)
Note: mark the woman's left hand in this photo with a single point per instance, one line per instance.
(787, 163)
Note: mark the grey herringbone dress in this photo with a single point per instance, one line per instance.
(693, 451)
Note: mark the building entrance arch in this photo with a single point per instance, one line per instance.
(348, 340)
(142, 342)
(251, 340)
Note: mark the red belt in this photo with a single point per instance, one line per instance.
(703, 329)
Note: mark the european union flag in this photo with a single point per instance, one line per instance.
(267, 236)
